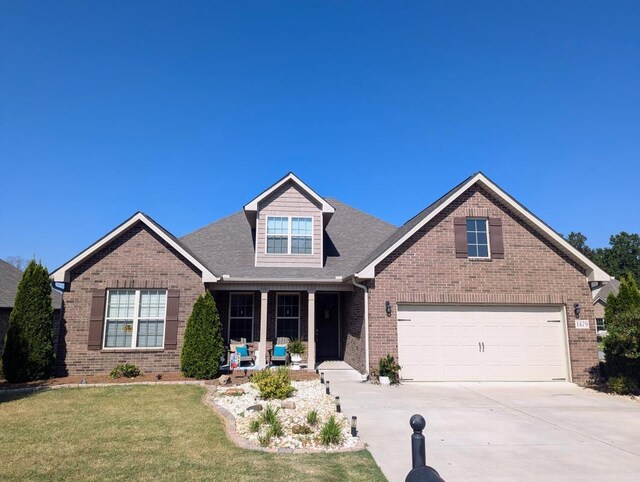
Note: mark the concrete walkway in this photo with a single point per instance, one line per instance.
(498, 431)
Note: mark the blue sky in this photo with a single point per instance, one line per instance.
(187, 110)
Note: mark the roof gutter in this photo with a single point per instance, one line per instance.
(366, 323)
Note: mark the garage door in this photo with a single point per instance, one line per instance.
(481, 343)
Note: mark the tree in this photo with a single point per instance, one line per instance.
(203, 344)
(579, 241)
(623, 255)
(17, 261)
(622, 343)
(28, 353)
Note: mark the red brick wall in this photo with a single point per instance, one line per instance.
(137, 259)
(425, 269)
(353, 328)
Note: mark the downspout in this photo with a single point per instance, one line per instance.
(366, 323)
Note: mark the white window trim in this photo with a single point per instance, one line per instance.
(289, 235)
(136, 317)
(278, 294)
(253, 310)
(486, 220)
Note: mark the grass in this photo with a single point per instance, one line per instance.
(144, 433)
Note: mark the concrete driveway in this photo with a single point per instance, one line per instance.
(498, 431)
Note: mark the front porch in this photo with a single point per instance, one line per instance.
(321, 318)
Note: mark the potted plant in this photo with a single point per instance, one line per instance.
(296, 349)
(389, 371)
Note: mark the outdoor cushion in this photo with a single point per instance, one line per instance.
(279, 350)
(242, 350)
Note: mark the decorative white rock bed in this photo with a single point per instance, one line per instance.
(309, 395)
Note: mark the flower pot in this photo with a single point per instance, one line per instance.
(385, 380)
(296, 358)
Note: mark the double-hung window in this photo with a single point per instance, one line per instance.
(289, 235)
(477, 238)
(600, 324)
(135, 319)
(288, 316)
(241, 316)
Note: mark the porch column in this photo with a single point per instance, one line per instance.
(311, 344)
(262, 359)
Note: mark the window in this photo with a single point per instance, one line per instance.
(135, 319)
(477, 238)
(288, 316)
(289, 235)
(241, 316)
(600, 324)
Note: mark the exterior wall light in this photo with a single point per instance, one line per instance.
(576, 309)
(387, 307)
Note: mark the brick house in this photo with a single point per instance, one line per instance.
(474, 287)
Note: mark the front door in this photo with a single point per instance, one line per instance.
(327, 326)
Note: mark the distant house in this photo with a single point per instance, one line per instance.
(600, 296)
(474, 287)
(10, 277)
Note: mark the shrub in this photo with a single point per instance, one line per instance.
(276, 429)
(331, 432)
(255, 424)
(270, 415)
(126, 370)
(622, 385)
(203, 343)
(28, 353)
(265, 439)
(312, 418)
(389, 368)
(273, 383)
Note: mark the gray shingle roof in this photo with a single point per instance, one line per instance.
(603, 293)
(227, 246)
(10, 277)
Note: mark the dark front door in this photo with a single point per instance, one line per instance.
(327, 326)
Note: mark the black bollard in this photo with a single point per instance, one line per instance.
(421, 472)
(418, 445)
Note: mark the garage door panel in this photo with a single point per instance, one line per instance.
(444, 343)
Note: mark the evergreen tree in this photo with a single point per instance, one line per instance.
(628, 298)
(203, 344)
(28, 352)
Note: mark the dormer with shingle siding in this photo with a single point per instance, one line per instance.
(289, 220)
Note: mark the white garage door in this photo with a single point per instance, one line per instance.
(482, 343)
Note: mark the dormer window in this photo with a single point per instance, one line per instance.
(289, 235)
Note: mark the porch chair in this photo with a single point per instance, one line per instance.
(279, 352)
(241, 348)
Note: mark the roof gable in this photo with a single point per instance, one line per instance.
(62, 274)
(366, 270)
(251, 208)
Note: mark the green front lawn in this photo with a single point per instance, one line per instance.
(144, 433)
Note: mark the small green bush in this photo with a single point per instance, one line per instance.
(126, 370)
(276, 429)
(389, 368)
(270, 415)
(296, 347)
(622, 385)
(331, 432)
(273, 383)
(255, 424)
(312, 418)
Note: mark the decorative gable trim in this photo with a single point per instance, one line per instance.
(594, 273)
(251, 208)
(62, 274)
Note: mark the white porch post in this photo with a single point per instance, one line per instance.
(262, 359)
(311, 344)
